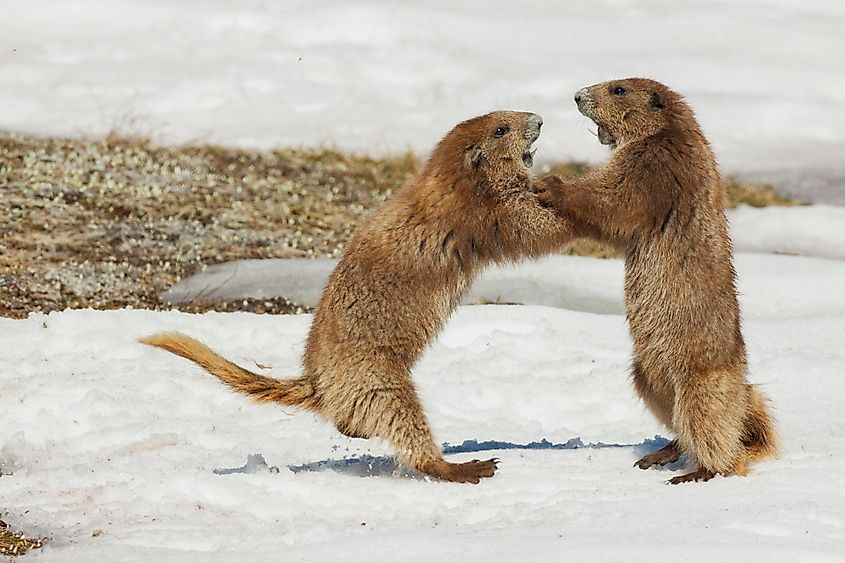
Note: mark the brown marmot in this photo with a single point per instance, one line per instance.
(661, 199)
(402, 275)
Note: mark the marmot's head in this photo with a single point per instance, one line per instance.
(628, 109)
(493, 149)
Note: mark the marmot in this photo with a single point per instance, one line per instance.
(661, 199)
(402, 275)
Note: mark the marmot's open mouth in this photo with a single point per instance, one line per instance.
(605, 137)
(528, 156)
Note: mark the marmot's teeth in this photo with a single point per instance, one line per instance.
(528, 158)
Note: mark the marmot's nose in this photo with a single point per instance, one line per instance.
(582, 95)
(535, 120)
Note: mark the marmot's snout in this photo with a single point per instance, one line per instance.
(584, 101)
(532, 126)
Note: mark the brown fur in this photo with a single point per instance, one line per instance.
(402, 275)
(660, 198)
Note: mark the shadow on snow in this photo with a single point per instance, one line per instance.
(370, 466)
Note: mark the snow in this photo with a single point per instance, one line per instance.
(102, 433)
(584, 284)
(580, 283)
(766, 77)
(816, 230)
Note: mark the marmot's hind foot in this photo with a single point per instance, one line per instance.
(469, 472)
(669, 453)
(702, 475)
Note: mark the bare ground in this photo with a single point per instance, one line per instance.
(112, 223)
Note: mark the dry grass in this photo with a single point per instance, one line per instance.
(15, 543)
(113, 223)
(755, 195)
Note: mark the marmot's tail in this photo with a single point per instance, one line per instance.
(295, 391)
(761, 440)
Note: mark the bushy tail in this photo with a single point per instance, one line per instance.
(295, 391)
(760, 439)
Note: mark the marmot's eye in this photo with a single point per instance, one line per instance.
(500, 132)
(618, 91)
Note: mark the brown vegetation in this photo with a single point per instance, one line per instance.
(115, 222)
(15, 543)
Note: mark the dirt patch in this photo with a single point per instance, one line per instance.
(115, 222)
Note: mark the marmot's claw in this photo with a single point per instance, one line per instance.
(670, 453)
(702, 475)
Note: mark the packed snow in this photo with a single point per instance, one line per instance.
(120, 452)
(766, 77)
(815, 230)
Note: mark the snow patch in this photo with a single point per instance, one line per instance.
(765, 77)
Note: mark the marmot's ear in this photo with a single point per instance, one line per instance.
(657, 100)
(476, 159)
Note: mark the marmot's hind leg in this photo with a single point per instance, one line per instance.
(344, 428)
(669, 453)
(659, 401)
(394, 413)
(709, 417)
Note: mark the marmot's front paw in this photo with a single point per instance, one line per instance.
(550, 192)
